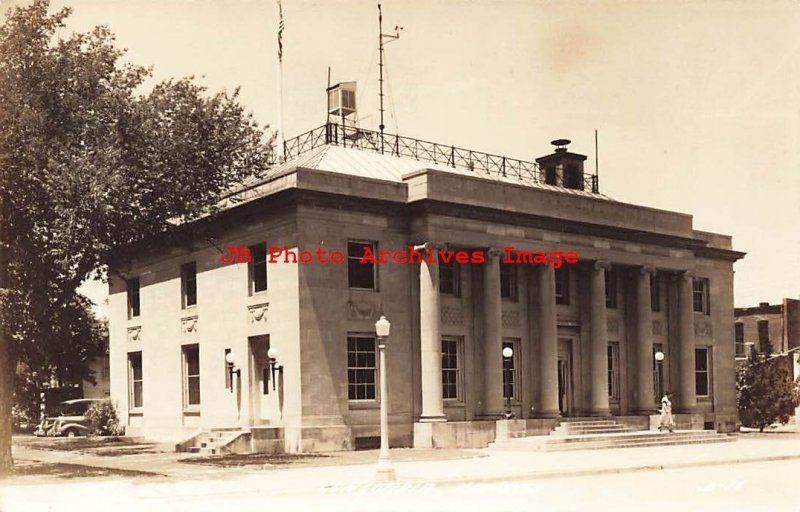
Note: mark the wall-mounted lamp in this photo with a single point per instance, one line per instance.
(272, 353)
(230, 360)
(508, 353)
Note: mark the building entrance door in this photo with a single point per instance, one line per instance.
(262, 399)
(565, 402)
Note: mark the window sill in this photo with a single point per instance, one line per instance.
(136, 412)
(363, 404)
(191, 308)
(191, 412)
(454, 403)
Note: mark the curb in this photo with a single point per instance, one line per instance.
(605, 471)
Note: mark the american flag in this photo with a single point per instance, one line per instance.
(280, 32)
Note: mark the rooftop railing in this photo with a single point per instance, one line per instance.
(493, 166)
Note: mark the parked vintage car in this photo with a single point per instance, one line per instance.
(68, 419)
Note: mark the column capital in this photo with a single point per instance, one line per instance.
(430, 246)
(494, 252)
(601, 265)
(647, 270)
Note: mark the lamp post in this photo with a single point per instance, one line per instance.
(385, 471)
(508, 353)
(272, 354)
(230, 359)
(659, 356)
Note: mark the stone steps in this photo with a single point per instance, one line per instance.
(603, 433)
(638, 441)
(212, 442)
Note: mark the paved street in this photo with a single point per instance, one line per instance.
(768, 486)
(752, 473)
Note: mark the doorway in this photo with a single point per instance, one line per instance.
(262, 398)
(565, 401)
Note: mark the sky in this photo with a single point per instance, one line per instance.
(696, 103)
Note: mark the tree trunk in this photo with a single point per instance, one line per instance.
(6, 366)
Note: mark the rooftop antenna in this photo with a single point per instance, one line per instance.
(596, 165)
(381, 38)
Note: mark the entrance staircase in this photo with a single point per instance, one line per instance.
(215, 441)
(601, 433)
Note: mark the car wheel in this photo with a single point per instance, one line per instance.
(71, 433)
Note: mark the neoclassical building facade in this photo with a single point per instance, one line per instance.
(191, 335)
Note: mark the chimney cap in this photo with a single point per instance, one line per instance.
(560, 144)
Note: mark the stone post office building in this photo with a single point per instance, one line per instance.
(583, 335)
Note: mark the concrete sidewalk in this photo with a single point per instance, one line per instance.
(484, 466)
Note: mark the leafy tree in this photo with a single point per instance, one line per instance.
(765, 389)
(89, 164)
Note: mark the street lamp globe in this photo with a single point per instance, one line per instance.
(508, 352)
(272, 353)
(230, 358)
(382, 327)
(659, 356)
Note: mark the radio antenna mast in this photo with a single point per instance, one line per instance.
(381, 38)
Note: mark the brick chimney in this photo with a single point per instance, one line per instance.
(562, 168)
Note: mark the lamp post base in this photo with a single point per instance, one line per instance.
(385, 471)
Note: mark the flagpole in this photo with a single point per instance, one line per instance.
(281, 141)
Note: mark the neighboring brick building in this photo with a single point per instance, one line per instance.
(779, 323)
(584, 336)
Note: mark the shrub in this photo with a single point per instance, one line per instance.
(103, 419)
(765, 390)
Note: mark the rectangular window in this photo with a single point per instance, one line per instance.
(361, 275)
(191, 376)
(738, 334)
(702, 383)
(562, 285)
(189, 284)
(658, 373)
(508, 282)
(133, 297)
(763, 335)
(700, 295)
(361, 368)
(105, 371)
(451, 368)
(611, 289)
(258, 268)
(134, 380)
(655, 292)
(450, 278)
(510, 369)
(613, 371)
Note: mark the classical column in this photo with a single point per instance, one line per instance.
(687, 398)
(492, 337)
(430, 339)
(644, 341)
(548, 343)
(599, 339)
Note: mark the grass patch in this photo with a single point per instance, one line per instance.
(253, 459)
(103, 446)
(267, 461)
(64, 470)
(75, 443)
(133, 450)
